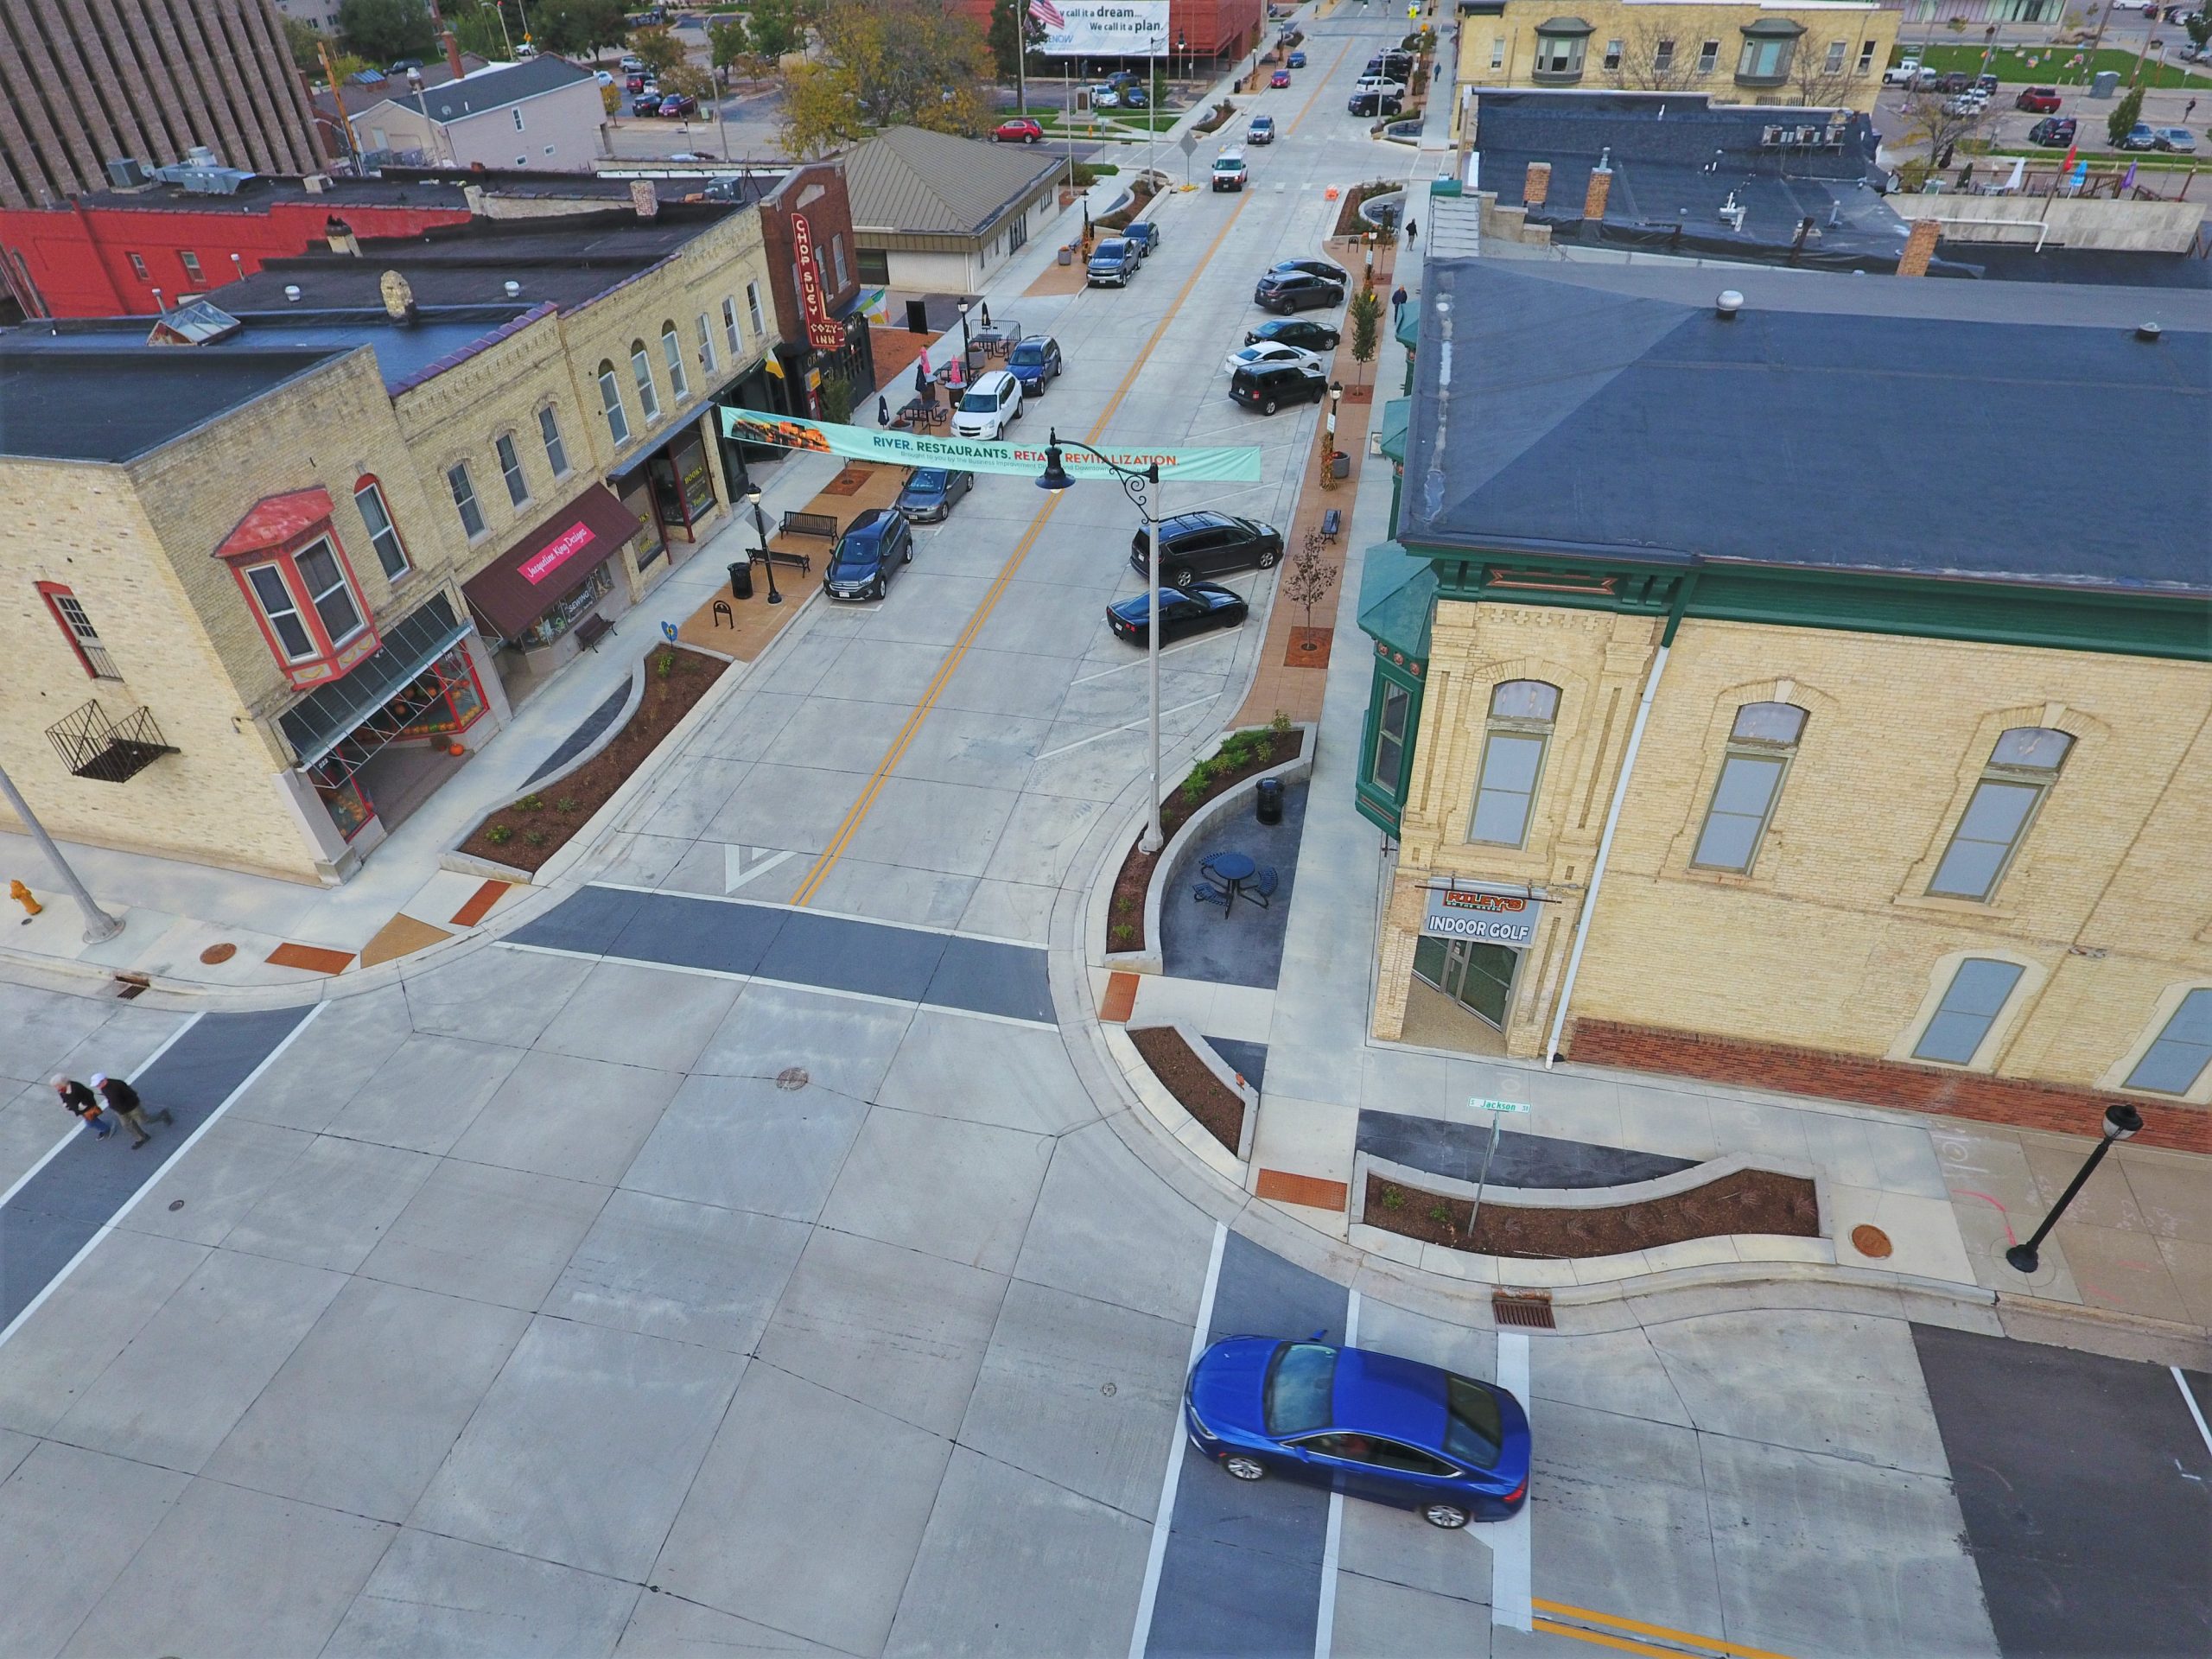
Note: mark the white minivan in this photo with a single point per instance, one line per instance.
(992, 404)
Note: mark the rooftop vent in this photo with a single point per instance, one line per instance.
(514, 289)
(129, 173)
(2148, 333)
(202, 174)
(292, 292)
(1727, 305)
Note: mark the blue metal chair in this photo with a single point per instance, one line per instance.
(1261, 886)
(1206, 893)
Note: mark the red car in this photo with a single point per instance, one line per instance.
(1280, 79)
(2042, 101)
(1019, 130)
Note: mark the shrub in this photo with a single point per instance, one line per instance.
(665, 664)
(530, 803)
(499, 834)
(1440, 1214)
(1279, 724)
(1393, 1198)
(566, 804)
(1124, 933)
(534, 837)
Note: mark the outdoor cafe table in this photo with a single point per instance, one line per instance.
(1233, 870)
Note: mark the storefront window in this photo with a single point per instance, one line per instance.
(569, 612)
(448, 698)
(346, 803)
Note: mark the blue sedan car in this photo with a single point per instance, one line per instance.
(1298, 59)
(1366, 1424)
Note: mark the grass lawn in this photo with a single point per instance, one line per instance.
(2057, 66)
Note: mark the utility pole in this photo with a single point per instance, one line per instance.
(99, 925)
(338, 97)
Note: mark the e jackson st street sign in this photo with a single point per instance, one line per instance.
(1507, 918)
(1240, 466)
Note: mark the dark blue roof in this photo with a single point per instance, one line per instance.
(1993, 431)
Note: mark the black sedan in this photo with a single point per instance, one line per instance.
(1192, 609)
(931, 491)
(1292, 331)
(1207, 545)
(1296, 290)
(1322, 268)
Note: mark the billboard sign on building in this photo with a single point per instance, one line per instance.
(823, 332)
(1493, 918)
(1105, 28)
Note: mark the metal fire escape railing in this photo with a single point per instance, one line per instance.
(92, 746)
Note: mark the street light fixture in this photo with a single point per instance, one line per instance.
(1329, 450)
(2121, 1123)
(1143, 487)
(99, 925)
(760, 528)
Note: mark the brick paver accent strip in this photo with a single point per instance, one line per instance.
(1120, 999)
(480, 903)
(1309, 1190)
(312, 957)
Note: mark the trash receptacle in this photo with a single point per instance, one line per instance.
(2106, 83)
(740, 579)
(1067, 255)
(1269, 809)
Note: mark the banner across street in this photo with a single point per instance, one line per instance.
(1237, 465)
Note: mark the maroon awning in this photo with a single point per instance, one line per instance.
(550, 563)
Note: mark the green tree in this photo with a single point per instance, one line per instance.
(477, 28)
(2125, 114)
(577, 28)
(1365, 315)
(304, 41)
(660, 48)
(729, 43)
(778, 28)
(2199, 25)
(819, 113)
(836, 396)
(910, 62)
(384, 31)
(1013, 31)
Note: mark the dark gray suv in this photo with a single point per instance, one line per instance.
(1194, 544)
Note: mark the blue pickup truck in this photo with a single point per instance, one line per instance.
(1113, 263)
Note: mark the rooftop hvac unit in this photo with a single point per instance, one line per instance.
(129, 173)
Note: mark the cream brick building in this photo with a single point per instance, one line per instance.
(1895, 739)
(1822, 52)
(265, 579)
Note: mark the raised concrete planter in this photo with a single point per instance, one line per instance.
(1167, 1111)
(1176, 854)
(1722, 1251)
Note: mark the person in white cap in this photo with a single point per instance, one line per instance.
(80, 1102)
(123, 1100)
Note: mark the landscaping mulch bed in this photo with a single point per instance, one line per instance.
(1204, 1097)
(530, 831)
(1748, 1201)
(1125, 920)
(1349, 222)
(1308, 648)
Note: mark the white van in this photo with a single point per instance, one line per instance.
(992, 404)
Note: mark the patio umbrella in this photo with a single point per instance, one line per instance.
(882, 411)
(987, 313)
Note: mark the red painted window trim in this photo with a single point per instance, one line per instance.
(324, 665)
(49, 591)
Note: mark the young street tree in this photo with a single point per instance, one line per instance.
(729, 44)
(2124, 116)
(1308, 582)
(1365, 315)
(1820, 80)
(658, 49)
(1942, 124)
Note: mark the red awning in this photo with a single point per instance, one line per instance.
(550, 563)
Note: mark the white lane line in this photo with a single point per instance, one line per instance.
(1138, 661)
(1127, 726)
(814, 909)
(2188, 1399)
(1511, 1598)
(1163, 1519)
(1324, 1625)
(132, 1203)
(81, 1127)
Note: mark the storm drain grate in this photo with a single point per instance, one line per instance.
(1529, 1310)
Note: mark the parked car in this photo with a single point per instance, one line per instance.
(633, 65)
(603, 77)
(1373, 104)
(875, 547)
(1195, 609)
(2141, 135)
(1902, 73)
(992, 404)
(2040, 100)
(1261, 130)
(678, 106)
(1268, 354)
(1112, 262)
(645, 103)
(1397, 65)
(1370, 1425)
(1286, 291)
(1967, 102)
(1279, 79)
(1269, 386)
(1955, 80)
(1019, 131)
(1382, 84)
(1325, 269)
(1195, 544)
(1296, 59)
(1229, 172)
(1034, 361)
(1105, 98)
(1986, 85)
(401, 66)
(2054, 132)
(2180, 139)
(930, 494)
(1293, 331)
(1145, 233)
(1135, 98)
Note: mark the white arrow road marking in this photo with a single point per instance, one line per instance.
(741, 864)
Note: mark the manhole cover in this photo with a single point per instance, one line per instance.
(215, 953)
(792, 1076)
(1870, 1242)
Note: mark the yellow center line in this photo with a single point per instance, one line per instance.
(1708, 1643)
(1619, 1643)
(838, 842)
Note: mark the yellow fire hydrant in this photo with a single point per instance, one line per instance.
(24, 896)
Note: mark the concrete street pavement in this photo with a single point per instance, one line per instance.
(743, 1251)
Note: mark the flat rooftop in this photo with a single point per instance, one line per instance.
(111, 405)
(1991, 431)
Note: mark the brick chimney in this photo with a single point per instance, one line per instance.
(1601, 186)
(1919, 248)
(1538, 184)
(452, 54)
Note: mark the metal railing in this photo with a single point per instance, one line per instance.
(111, 752)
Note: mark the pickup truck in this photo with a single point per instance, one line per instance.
(1229, 170)
(1902, 74)
(1112, 262)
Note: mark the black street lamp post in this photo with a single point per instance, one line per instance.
(2121, 1123)
(967, 362)
(760, 528)
(1143, 487)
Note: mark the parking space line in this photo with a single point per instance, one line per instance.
(1325, 1626)
(1126, 726)
(1163, 1520)
(1510, 1551)
(2188, 1399)
(1684, 1640)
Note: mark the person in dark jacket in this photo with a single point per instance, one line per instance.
(80, 1102)
(123, 1100)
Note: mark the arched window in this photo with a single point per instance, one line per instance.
(671, 351)
(1520, 716)
(641, 370)
(610, 399)
(2021, 770)
(1760, 746)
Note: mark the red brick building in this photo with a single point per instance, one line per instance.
(816, 193)
(105, 255)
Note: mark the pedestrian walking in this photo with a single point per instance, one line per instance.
(2188, 109)
(123, 1100)
(1413, 231)
(1397, 305)
(80, 1102)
